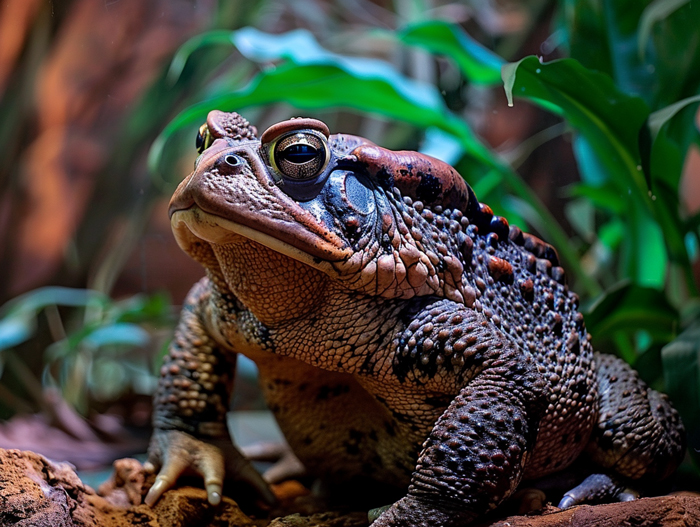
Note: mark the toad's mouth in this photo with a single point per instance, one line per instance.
(193, 225)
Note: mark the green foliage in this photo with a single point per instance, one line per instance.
(98, 353)
(476, 63)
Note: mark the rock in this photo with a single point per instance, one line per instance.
(36, 492)
(669, 511)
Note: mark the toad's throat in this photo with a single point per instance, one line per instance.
(193, 225)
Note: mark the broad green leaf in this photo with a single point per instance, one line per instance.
(651, 49)
(38, 299)
(605, 197)
(19, 321)
(210, 38)
(478, 64)
(612, 233)
(661, 117)
(583, 22)
(673, 55)
(672, 130)
(317, 86)
(117, 334)
(681, 362)
(16, 329)
(629, 308)
(655, 12)
(608, 125)
(608, 119)
(649, 261)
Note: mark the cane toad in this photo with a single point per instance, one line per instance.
(404, 334)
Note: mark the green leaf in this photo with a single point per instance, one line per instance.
(673, 54)
(672, 131)
(605, 197)
(653, 13)
(628, 308)
(19, 321)
(117, 334)
(608, 124)
(311, 78)
(650, 49)
(681, 364)
(478, 64)
(661, 117)
(608, 119)
(198, 42)
(38, 299)
(16, 329)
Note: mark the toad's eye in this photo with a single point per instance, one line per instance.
(299, 155)
(204, 138)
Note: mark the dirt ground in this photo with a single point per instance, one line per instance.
(39, 493)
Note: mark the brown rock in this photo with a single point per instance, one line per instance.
(36, 492)
(666, 511)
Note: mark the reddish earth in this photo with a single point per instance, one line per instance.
(35, 492)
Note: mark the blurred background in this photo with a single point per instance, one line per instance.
(577, 119)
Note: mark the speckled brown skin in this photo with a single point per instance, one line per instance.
(403, 333)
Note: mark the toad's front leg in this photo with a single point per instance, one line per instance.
(190, 433)
(475, 455)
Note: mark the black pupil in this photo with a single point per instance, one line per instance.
(200, 141)
(299, 154)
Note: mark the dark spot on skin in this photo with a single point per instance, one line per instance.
(564, 439)
(263, 335)
(429, 188)
(581, 388)
(372, 435)
(351, 448)
(326, 392)
(385, 178)
(303, 386)
(438, 401)
(308, 440)
(389, 427)
(356, 435)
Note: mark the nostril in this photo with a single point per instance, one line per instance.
(232, 160)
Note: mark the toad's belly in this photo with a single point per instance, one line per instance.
(334, 426)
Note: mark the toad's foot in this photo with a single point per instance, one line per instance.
(177, 453)
(596, 488)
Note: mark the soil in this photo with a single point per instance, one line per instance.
(37, 492)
